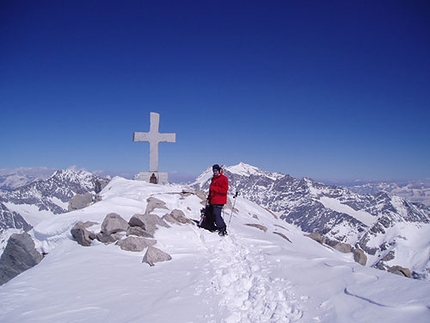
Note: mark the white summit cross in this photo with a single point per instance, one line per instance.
(154, 138)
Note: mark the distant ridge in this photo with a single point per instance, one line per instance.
(384, 226)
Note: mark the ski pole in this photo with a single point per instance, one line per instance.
(234, 203)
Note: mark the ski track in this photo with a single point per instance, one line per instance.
(248, 292)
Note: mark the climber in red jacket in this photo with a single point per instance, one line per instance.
(218, 197)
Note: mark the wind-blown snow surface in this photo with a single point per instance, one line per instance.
(248, 276)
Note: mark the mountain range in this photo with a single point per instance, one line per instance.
(414, 191)
(42, 197)
(16, 177)
(388, 229)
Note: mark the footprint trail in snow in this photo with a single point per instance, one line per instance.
(248, 292)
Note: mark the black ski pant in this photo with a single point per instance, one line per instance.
(216, 211)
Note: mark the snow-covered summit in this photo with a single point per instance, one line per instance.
(265, 270)
(242, 170)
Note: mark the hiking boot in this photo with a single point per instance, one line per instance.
(222, 232)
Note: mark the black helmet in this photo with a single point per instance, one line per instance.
(216, 167)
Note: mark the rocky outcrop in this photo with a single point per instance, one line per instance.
(317, 237)
(359, 255)
(133, 235)
(401, 271)
(12, 220)
(19, 255)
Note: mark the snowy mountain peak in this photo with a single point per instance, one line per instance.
(72, 175)
(243, 169)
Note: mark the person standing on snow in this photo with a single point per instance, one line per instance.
(218, 197)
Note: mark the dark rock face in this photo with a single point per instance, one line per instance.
(18, 256)
(12, 220)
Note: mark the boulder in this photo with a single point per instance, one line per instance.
(399, 270)
(317, 237)
(80, 201)
(359, 256)
(177, 217)
(135, 243)
(81, 234)
(113, 223)
(18, 256)
(148, 222)
(154, 203)
(109, 238)
(137, 220)
(342, 247)
(138, 231)
(154, 255)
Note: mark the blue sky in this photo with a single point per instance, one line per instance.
(332, 90)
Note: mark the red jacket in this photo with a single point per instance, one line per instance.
(218, 189)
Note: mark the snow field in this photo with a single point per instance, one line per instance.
(249, 294)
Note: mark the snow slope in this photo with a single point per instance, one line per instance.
(251, 275)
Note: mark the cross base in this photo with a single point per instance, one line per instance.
(152, 177)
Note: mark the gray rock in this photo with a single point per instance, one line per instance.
(113, 223)
(148, 222)
(177, 217)
(399, 270)
(80, 201)
(138, 231)
(359, 256)
(109, 238)
(154, 203)
(81, 234)
(137, 220)
(18, 256)
(317, 237)
(135, 243)
(343, 247)
(154, 255)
